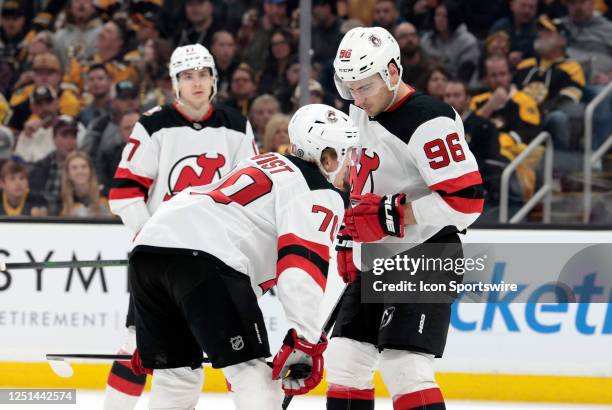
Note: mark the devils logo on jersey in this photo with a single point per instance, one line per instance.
(193, 170)
(362, 167)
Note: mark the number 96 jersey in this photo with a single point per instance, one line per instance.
(273, 218)
(418, 147)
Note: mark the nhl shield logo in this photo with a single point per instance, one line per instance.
(237, 342)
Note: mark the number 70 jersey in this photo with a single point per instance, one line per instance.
(270, 216)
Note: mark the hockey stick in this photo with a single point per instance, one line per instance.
(62, 368)
(329, 323)
(62, 264)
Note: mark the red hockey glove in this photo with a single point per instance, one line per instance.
(346, 268)
(376, 217)
(299, 363)
(137, 364)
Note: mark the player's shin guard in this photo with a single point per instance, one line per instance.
(252, 385)
(176, 389)
(350, 369)
(409, 376)
(123, 387)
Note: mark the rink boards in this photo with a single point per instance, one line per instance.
(520, 353)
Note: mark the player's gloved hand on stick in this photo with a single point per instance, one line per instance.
(137, 364)
(346, 268)
(375, 217)
(299, 363)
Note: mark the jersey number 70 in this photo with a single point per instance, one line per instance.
(438, 152)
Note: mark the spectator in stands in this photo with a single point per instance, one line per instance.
(77, 39)
(521, 27)
(275, 17)
(498, 44)
(326, 34)
(419, 12)
(163, 92)
(483, 140)
(246, 32)
(554, 82)
(263, 107)
(99, 85)
(145, 17)
(13, 29)
(46, 175)
(47, 71)
(223, 49)
(435, 82)
(315, 92)
(17, 200)
(416, 62)
(36, 139)
(103, 132)
(386, 15)
(451, 43)
(153, 67)
(80, 190)
(279, 56)
(590, 43)
(200, 25)
(510, 110)
(7, 142)
(276, 134)
(110, 51)
(110, 156)
(242, 89)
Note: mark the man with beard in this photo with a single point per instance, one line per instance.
(554, 81)
(415, 61)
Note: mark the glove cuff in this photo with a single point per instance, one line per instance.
(391, 214)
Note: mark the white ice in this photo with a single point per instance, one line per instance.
(91, 400)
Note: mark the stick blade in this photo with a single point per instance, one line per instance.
(61, 367)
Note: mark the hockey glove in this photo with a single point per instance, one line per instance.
(376, 217)
(299, 363)
(346, 268)
(137, 364)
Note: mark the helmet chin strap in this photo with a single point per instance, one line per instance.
(395, 91)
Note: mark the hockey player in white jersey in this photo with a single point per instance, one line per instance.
(204, 258)
(415, 181)
(191, 142)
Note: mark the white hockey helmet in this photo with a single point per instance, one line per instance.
(363, 52)
(192, 56)
(315, 127)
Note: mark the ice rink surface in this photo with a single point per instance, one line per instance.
(91, 400)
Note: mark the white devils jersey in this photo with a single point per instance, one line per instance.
(167, 153)
(273, 218)
(418, 147)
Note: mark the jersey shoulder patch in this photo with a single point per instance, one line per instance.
(414, 112)
(161, 117)
(228, 117)
(315, 179)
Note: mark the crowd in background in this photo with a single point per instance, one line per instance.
(76, 74)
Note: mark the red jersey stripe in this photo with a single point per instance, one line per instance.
(127, 174)
(125, 193)
(457, 184)
(291, 239)
(295, 261)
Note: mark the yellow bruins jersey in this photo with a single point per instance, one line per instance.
(546, 81)
(69, 102)
(520, 114)
(119, 70)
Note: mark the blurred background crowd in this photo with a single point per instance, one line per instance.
(76, 74)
